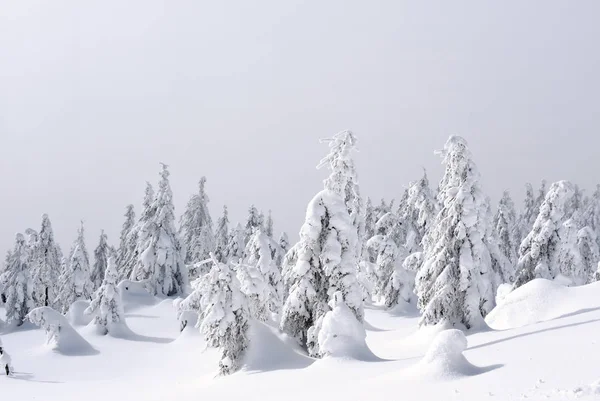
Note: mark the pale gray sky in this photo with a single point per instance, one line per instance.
(93, 94)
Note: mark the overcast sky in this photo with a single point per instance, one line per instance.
(94, 94)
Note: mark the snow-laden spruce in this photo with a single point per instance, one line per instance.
(254, 221)
(591, 214)
(506, 229)
(539, 250)
(74, 282)
(503, 270)
(326, 263)
(343, 180)
(17, 284)
(419, 213)
(269, 225)
(384, 253)
(222, 236)
(259, 256)
(100, 261)
(45, 269)
(106, 305)
(455, 283)
(255, 287)
(236, 244)
(589, 252)
(128, 258)
(127, 242)
(222, 314)
(159, 255)
(196, 230)
(284, 246)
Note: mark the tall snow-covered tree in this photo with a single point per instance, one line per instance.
(18, 286)
(74, 282)
(196, 229)
(568, 258)
(222, 236)
(127, 242)
(455, 283)
(539, 250)
(160, 256)
(284, 246)
(101, 254)
(326, 256)
(370, 219)
(591, 214)
(223, 314)
(45, 269)
(505, 225)
(236, 245)
(343, 180)
(107, 307)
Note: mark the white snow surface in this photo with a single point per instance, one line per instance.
(551, 354)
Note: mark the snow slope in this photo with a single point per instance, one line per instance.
(550, 354)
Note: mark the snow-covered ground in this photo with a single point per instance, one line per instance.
(543, 345)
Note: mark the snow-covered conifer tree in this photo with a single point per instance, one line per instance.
(504, 223)
(106, 305)
(419, 213)
(253, 222)
(269, 225)
(160, 257)
(370, 220)
(196, 229)
(527, 216)
(540, 248)
(384, 252)
(222, 236)
(282, 249)
(100, 261)
(455, 283)
(127, 243)
(591, 214)
(258, 256)
(18, 286)
(45, 269)
(344, 180)
(236, 245)
(74, 282)
(588, 250)
(326, 256)
(222, 314)
(569, 260)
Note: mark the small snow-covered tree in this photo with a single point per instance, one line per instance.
(253, 222)
(401, 285)
(236, 244)
(196, 229)
(505, 225)
(160, 257)
(106, 304)
(222, 236)
(100, 261)
(568, 258)
(540, 248)
(127, 242)
(385, 252)
(370, 219)
(45, 268)
(588, 250)
(455, 281)
(254, 286)
(222, 314)
(591, 214)
(528, 215)
(74, 282)
(284, 245)
(269, 225)
(18, 286)
(326, 256)
(419, 214)
(259, 257)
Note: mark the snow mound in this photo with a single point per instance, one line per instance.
(76, 314)
(271, 350)
(444, 359)
(135, 294)
(61, 337)
(541, 300)
(343, 336)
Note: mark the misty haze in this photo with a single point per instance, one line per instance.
(299, 200)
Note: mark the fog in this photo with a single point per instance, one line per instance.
(94, 94)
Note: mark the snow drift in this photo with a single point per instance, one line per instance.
(541, 300)
(60, 335)
(76, 313)
(444, 359)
